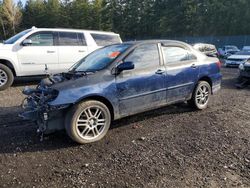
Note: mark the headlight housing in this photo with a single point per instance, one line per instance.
(241, 67)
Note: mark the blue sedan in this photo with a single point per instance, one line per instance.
(118, 81)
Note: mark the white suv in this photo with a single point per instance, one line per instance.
(28, 52)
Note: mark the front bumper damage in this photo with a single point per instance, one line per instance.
(244, 76)
(36, 107)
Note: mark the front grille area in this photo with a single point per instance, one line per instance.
(235, 59)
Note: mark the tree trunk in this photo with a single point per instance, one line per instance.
(4, 32)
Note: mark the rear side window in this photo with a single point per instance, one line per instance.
(42, 39)
(71, 39)
(177, 54)
(145, 56)
(104, 40)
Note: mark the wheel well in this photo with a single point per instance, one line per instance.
(207, 79)
(8, 64)
(104, 101)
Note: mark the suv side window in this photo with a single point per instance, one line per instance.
(71, 39)
(104, 40)
(174, 54)
(42, 39)
(145, 56)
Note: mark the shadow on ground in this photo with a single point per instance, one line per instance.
(17, 135)
(23, 81)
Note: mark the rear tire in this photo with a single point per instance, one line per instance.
(88, 122)
(6, 77)
(201, 95)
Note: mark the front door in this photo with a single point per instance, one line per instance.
(182, 72)
(143, 87)
(41, 52)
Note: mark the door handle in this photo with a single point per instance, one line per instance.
(194, 66)
(160, 71)
(50, 52)
(81, 51)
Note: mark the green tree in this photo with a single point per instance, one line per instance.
(10, 16)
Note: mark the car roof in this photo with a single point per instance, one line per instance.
(156, 41)
(72, 30)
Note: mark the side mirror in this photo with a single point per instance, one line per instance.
(27, 42)
(127, 65)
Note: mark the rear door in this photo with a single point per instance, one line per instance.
(42, 51)
(71, 48)
(143, 87)
(182, 72)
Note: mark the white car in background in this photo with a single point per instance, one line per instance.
(28, 52)
(237, 59)
(227, 50)
(246, 48)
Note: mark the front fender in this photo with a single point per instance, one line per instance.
(75, 95)
(12, 62)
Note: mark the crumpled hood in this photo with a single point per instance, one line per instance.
(63, 83)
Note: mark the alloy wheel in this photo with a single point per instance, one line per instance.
(3, 77)
(202, 95)
(91, 123)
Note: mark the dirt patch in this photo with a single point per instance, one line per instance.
(170, 147)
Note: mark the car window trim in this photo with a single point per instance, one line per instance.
(133, 49)
(78, 39)
(104, 34)
(52, 32)
(178, 63)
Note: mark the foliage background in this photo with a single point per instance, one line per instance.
(131, 18)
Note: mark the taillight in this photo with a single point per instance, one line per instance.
(218, 63)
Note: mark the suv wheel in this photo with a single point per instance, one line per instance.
(6, 77)
(201, 95)
(88, 121)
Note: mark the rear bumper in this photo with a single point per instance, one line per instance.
(216, 82)
(216, 88)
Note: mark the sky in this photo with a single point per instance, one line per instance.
(23, 1)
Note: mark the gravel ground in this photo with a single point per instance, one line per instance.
(170, 147)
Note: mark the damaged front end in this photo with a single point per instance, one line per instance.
(37, 106)
(244, 75)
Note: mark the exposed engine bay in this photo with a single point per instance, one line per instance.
(37, 107)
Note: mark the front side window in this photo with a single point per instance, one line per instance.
(100, 58)
(174, 54)
(104, 40)
(145, 56)
(71, 39)
(42, 39)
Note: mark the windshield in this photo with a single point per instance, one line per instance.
(100, 58)
(232, 48)
(243, 53)
(13, 39)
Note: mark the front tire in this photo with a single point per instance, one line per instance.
(6, 77)
(88, 122)
(201, 95)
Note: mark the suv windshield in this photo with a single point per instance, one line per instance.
(243, 53)
(100, 58)
(231, 48)
(16, 37)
